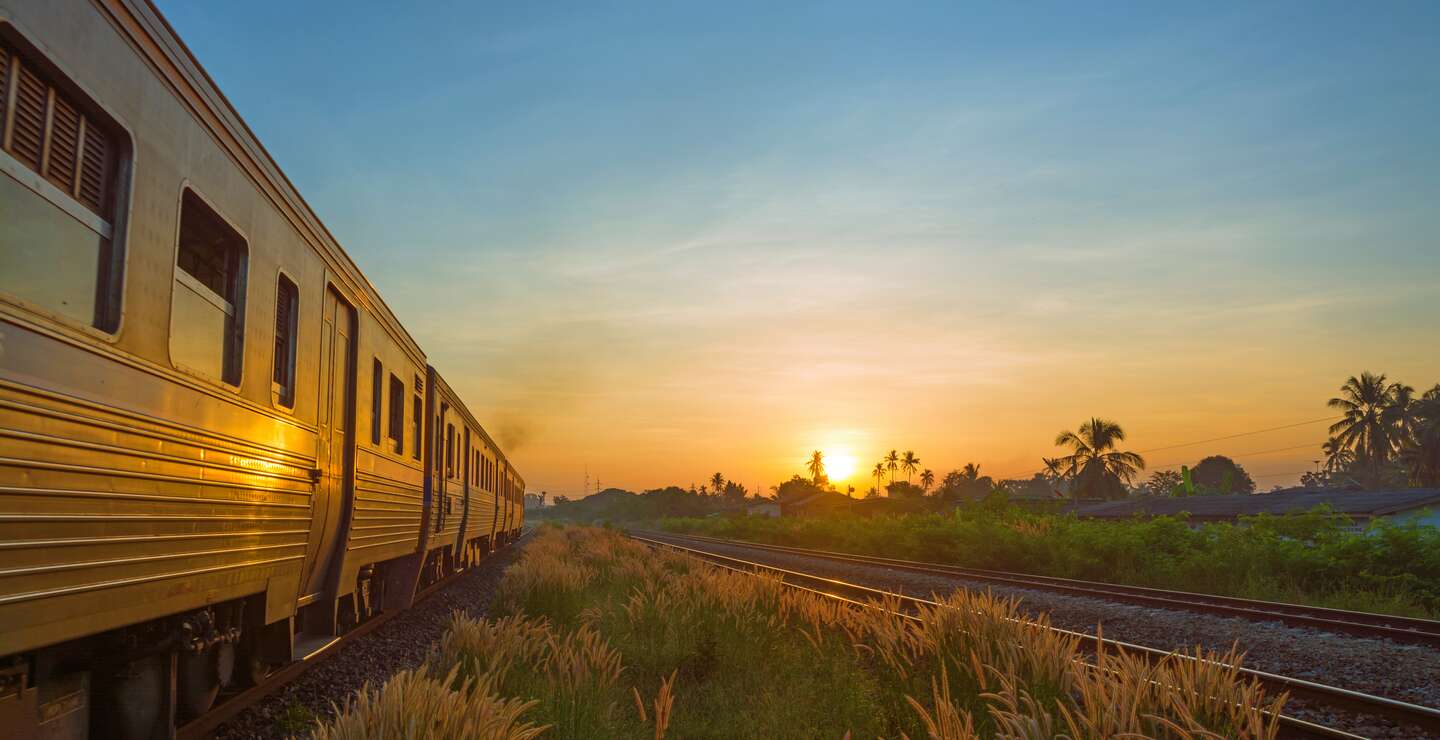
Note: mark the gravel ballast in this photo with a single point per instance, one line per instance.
(399, 644)
(1405, 672)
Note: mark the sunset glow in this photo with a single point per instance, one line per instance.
(839, 466)
(655, 248)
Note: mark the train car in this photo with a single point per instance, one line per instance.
(217, 451)
(462, 505)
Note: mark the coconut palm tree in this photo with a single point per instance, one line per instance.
(1052, 468)
(1364, 429)
(1421, 452)
(816, 466)
(1097, 468)
(892, 464)
(927, 479)
(1338, 457)
(717, 482)
(909, 463)
(1401, 414)
(878, 473)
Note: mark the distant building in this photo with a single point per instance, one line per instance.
(822, 503)
(767, 508)
(534, 501)
(1420, 504)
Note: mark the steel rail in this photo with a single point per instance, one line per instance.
(205, 725)
(1320, 694)
(1361, 624)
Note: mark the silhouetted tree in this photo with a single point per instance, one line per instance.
(1220, 474)
(717, 482)
(1364, 428)
(892, 463)
(1421, 453)
(927, 479)
(1163, 482)
(1096, 469)
(816, 466)
(1338, 457)
(965, 484)
(909, 463)
(903, 489)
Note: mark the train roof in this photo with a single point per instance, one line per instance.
(157, 40)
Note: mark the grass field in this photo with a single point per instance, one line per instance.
(1307, 558)
(598, 636)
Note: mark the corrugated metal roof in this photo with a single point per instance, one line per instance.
(1354, 503)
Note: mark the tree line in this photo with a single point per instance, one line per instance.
(1387, 436)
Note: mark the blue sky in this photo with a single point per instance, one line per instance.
(653, 241)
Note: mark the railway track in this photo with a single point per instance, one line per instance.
(1352, 708)
(230, 707)
(1361, 624)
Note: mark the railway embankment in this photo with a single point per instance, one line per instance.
(596, 635)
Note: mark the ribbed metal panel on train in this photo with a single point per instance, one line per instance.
(253, 432)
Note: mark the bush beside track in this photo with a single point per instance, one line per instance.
(600, 636)
(1305, 558)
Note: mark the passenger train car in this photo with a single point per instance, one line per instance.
(219, 449)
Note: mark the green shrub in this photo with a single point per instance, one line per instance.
(1308, 558)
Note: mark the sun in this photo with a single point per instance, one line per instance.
(839, 465)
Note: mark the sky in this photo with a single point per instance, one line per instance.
(652, 242)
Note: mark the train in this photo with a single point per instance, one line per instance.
(219, 449)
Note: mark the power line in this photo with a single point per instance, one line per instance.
(1237, 435)
(1276, 475)
(1241, 434)
(1257, 453)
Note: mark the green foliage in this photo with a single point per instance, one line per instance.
(294, 719)
(1308, 558)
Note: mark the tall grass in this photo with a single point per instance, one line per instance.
(599, 636)
(1307, 558)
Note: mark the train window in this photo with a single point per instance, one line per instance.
(416, 412)
(397, 414)
(60, 162)
(207, 313)
(376, 396)
(449, 450)
(287, 306)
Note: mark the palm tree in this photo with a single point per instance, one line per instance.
(878, 473)
(1401, 414)
(892, 464)
(1364, 430)
(927, 479)
(1422, 450)
(909, 464)
(971, 472)
(1338, 457)
(816, 466)
(1052, 468)
(1095, 466)
(717, 483)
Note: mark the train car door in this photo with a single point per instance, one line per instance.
(336, 449)
(446, 431)
(495, 497)
(464, 495)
